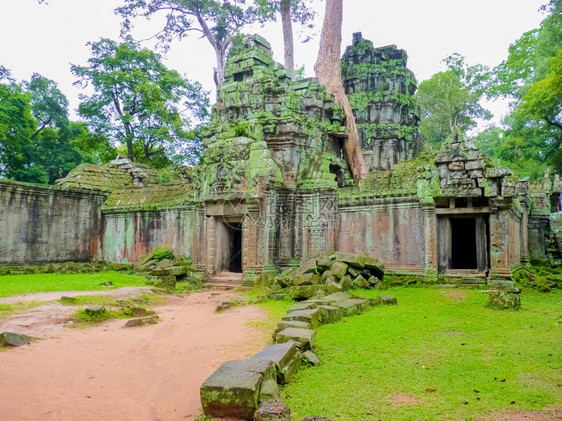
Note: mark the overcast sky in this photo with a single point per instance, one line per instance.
(47, 38)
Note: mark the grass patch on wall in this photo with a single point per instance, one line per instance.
(25, 284)
(439, 354)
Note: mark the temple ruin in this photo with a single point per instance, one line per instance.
(273, 189)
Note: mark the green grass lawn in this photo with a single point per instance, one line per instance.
(453, 356)
(24, 284)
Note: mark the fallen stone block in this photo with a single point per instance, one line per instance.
(143, 321)
(177, 270)
(346, 283)
(308, 266)
(323, 264)
(388, 300)
(361, 282)
(329, 314)
(269, 390)
(160, 272)
(302, 292)
(353, 271)
(305, 337)
(504, 299)
(233, 389)
(375, 267)
(311, 357)
(304, 305)
(352, 306)
(286, 357)
(273, 410)
(311, 316)
(351, 259)
(13, 339)
(284, 324)
(338, 269)
(306, 279)
(68, 300)
(337, 296)
(94, 311)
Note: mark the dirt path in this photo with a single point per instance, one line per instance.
(111, 373)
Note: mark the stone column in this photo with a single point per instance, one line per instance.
(499, 266)
(211, 244)
(430, 230)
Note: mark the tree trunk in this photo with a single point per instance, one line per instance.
(328, 72)
(287, 25)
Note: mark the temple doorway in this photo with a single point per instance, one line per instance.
(229, 236)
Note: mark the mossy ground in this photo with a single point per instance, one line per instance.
(454, 357)
(25, 284)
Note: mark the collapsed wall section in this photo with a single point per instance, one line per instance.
(48, 225)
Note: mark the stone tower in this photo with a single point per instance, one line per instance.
(380, 89)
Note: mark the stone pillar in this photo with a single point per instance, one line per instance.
(499, 265)
(430, 230)
(377, 154)
(250, 238)
(211, 224)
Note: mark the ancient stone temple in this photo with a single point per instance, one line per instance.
(272, 187)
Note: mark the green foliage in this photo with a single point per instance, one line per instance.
(164, 252)
(140, 103)
(530, 77)
(542, 278)
(450, 99)
(441, 347)
(37, 141)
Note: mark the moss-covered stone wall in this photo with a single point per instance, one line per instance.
(41, 224)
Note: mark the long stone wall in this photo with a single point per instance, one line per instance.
(392, 233)
(47, 224)
(128, 235)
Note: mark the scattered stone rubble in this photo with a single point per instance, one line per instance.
(332, 273)
(249, 389)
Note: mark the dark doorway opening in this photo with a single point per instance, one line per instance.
(463, 243)
(235, 255)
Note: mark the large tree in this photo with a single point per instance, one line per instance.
(451, 99)
(38, 142)
(531, 78)
(328, 72)
(290, 11)
(137, 100)
(216, 20)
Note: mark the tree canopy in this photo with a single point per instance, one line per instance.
(451, 99)
(38, 143)
(140, 103)
(531, 77)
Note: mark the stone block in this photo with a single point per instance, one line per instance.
(503, 299)
(305, 337)
(353, 271)
(94, 311)
(311, 316)
(338, 269)
(284, 324)
(286, 357)
(346, 282)
(361, 282)
(329, 314)
(269, 390)
(233, 389)
(375, 267)
(308, 266)
(311, 357)
(165, 282)
(13, 339)
(323, 264)
(273, 410)
(305, 279)
(337, 296)
(353, 306)
(160, 272)
(177, 270)
(388, 299)
(302, 292)
(152, 320)
(355, 260)
(303, 305)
